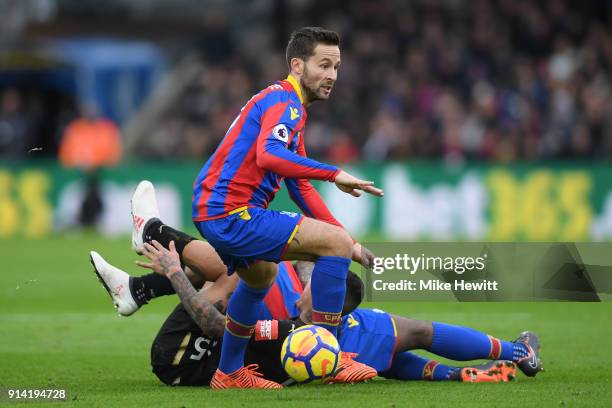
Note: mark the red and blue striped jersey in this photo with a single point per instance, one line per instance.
(263, 146)
(279, 303)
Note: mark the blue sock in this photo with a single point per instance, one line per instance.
(243, 310)
(463, 343)
(328, 286)
(410, 366)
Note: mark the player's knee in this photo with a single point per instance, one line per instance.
(422, 331)
(340, 244)
(260, 282)
(268, 279)
(260, 276)
(413, 334)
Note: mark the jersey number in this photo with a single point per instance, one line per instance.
(202, 349)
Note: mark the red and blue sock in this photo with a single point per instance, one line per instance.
(328, 285)
(410, 366)
(243, 311)
(463, 343)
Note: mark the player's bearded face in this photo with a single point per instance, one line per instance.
(321, 72)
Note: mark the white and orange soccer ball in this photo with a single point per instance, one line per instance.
(310, 353)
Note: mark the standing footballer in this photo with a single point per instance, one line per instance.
(263, 146)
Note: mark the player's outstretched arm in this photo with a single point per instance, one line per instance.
(353, 186)
(202, 310)
(308, 199)
(274, 156)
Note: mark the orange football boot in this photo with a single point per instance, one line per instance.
(350, 371)
(493, 372)
(245, 377)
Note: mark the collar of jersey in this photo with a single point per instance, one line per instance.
(296, 86)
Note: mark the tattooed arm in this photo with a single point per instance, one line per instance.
(199, 306)
(204, 313)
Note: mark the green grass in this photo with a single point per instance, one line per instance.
(58, 330)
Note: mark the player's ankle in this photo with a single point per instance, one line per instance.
(138, 290)
(233, 373)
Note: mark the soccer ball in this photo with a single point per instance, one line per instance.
(310, 353)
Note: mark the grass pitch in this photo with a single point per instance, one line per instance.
(59, 330)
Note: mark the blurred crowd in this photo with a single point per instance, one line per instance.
(32, 121)
(505, 80)
(456, 79)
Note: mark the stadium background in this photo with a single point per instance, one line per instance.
(481, 120)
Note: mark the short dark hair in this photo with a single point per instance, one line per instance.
(354, 293)
(303, 42)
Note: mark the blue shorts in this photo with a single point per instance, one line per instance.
(253, 234)
(370, 333)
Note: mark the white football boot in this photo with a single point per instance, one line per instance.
(117, 284)
(144, 208)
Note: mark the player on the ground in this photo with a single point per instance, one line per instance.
(262, 147)
(445, 340)
(379, 339)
